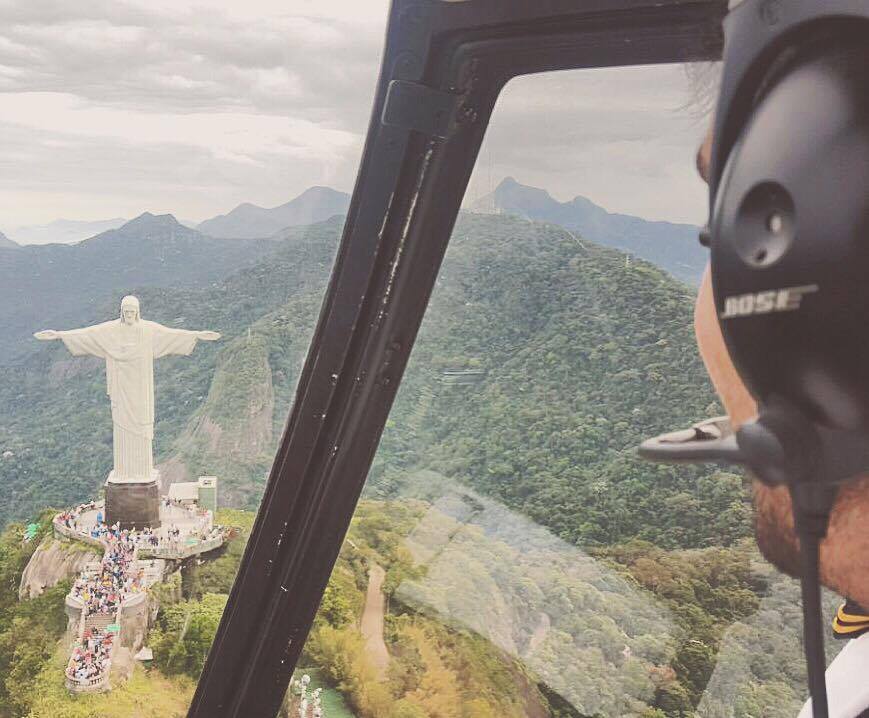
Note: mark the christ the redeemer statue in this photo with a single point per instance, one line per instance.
(129, 346)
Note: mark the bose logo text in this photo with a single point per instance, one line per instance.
(775, 300)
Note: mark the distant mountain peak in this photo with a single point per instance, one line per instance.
(148, 220)
(671, 246)
(250, 221)
(6, 243)
(146, 226)
(514, 197)
(319, 190)
(509, 184)
(511, 192)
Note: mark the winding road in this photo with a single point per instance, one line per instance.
(372, 620)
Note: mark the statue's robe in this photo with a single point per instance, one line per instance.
(129, 351)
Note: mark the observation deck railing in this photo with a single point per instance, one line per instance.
(182, 550)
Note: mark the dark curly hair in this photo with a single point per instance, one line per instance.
(704, 78)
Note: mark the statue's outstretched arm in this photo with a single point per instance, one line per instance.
(87, 340)
(170, 340)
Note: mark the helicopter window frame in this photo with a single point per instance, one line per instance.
(443, 68)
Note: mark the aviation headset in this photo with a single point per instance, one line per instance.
(789, 240)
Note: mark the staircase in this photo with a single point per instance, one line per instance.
(99, 621)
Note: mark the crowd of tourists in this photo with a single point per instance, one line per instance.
(102, 591)
(302, 703)
(69, 518)
(168, 537)
(118, 576)
(92, 657)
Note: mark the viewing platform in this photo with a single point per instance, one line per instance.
(114, 588)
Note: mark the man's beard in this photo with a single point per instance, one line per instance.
(844, 555)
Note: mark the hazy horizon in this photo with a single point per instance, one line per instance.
(29, 234)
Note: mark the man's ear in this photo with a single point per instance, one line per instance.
(704, 155)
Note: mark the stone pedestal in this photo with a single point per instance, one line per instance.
(133, 504)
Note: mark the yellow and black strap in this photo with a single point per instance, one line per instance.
(851, 621)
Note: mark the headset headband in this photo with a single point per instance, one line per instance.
(756, 32)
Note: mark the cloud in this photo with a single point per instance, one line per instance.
(231, 134)
(84, 162)
(148, 105)
(187, 58)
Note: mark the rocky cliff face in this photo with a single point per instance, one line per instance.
(233, 434)
(52, 562)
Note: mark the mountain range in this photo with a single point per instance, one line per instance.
(264, 294)
(673, 247)
(247, 221)
(6, 243)
(56, 286)
(250, 221)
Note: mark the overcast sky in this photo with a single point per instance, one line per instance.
(110, 108)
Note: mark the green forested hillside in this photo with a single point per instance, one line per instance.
(486, 617)
(434, 670)
(582, 353)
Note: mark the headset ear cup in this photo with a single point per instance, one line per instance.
(789, 258)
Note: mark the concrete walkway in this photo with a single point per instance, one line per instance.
(372, 620)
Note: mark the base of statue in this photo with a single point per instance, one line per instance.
(133, 504)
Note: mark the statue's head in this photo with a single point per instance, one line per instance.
(129, 309)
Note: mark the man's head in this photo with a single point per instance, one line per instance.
(129, 309)
(844, 562)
